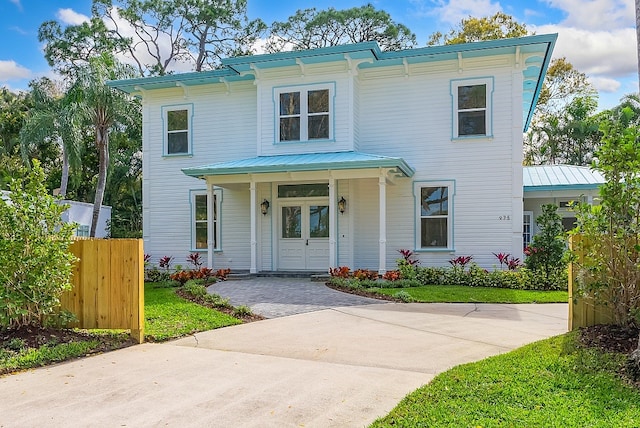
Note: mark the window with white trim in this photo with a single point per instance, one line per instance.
(472, 107)
(434, 217)
(304, 114)
(199, 220)
(177, 130)
(527, 228)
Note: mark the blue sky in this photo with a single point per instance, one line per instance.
(596, 36)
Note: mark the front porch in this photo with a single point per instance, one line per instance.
(303, 209)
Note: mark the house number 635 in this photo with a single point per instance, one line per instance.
(504, 217)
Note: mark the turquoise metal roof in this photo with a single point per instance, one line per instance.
(536, 51)
(301, 162)
(194, 78)
(364, 50)
(560, 177)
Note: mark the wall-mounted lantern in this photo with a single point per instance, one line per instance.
(342, 205)
(264, 207)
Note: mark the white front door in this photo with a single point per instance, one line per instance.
(304, 235)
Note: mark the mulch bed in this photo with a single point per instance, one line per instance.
(363, 293)
(229, 311)
(610, 338)
(30, 337)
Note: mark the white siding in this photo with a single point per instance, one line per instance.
(380, 111)
(412, 118)
(224, 128)
(364, 207)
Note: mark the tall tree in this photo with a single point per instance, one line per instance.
(498, 26)
(154, 35)
(13, 112)
(68, 48)
(50, 122)
(310, 29)
(218, 29)
(562, 84)
(104, 110)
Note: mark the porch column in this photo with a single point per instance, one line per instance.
(210, 237)
(382, 185)
(254, 229)
(333, 227)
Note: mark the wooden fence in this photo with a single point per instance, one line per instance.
(108, 285)
(583, 311)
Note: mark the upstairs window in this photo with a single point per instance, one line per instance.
(472, 108)
(304, 115)
(177, 130)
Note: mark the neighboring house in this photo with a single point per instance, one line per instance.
(559, 185)
(341, 156)
(80, 213)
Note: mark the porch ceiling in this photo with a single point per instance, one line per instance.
(302, 163)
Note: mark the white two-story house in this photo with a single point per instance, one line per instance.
(341, 156)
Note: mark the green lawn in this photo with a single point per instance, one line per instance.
(168, 316)
(463, 294)
(550, 383)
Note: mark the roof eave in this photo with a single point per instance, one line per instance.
(546, 188)
(398, 164)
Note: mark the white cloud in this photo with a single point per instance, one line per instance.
(19, 30)
(453, 11)
(71, 17)
(597, 53)
(10, 70)
(605, 84)
(17, 3)
(596, 14)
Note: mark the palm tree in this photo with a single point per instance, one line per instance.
(50, 121)
(103, 110)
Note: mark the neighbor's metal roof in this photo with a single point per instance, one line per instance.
(560, 177)
(301, 162)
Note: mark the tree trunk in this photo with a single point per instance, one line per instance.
(64, 180)
(102, 142)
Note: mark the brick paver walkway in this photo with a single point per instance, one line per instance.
(278, 297)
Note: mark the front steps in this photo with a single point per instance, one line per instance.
(311, 275)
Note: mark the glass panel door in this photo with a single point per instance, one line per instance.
(292, 222)
(304, 235)
(318, 221)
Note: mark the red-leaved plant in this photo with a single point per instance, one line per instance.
(165, 262)
(408, 256)
(340, 272)
(392, 275)
(221, 274)
(513, 263)
(461, 261)
(195, 259)
(362, 274)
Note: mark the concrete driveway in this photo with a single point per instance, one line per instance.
(339, 367)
